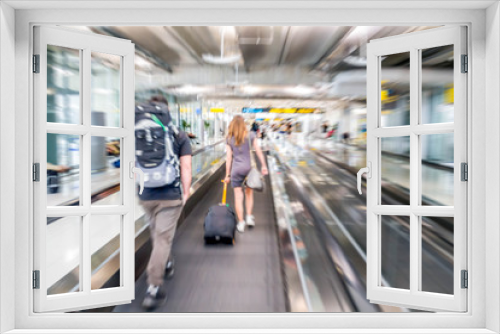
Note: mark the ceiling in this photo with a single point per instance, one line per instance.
(250, 61)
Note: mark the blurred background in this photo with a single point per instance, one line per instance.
(303, 89)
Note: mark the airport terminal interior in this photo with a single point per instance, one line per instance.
(303, 90)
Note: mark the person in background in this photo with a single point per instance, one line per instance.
(255, 127)
(283, 129)
(345, 137)
(162, 207)
(238, 165)
(289, 129)
(324, 127)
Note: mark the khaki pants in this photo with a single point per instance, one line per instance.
(162, 216)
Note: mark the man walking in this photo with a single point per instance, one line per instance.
(164, 155)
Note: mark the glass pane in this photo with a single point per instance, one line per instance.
(105, 165)
(63, 169)
(437, 169)
(105, 90)
(395, 170)
(437, 85)
(437, 254)
(105, 249)
(395, 261)
(63, 254)
(63, 85)
(395, 90)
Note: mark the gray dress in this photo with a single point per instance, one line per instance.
(241, 160)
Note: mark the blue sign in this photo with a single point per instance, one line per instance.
(248, 110)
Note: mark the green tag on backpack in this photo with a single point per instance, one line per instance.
(157, 121)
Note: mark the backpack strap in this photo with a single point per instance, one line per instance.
(157, 121)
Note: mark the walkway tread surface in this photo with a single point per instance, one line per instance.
(245, 277)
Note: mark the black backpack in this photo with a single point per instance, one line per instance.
(154, 138)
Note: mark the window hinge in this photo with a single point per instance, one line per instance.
(465, 64)
(465, 279)
(36, 279)
(36, 172)
(36, 63)
(464, 171)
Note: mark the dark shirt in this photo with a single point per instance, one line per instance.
(182, 147)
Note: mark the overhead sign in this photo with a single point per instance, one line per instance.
(248, 110)
(305, 110)
(218, 110)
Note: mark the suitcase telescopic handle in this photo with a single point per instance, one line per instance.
(224, 192)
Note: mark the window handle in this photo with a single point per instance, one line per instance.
(368, 171)
(136, 170)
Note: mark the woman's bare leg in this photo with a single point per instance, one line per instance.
(238, 202)
(249, 200)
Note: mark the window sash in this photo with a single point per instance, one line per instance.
(413, 43)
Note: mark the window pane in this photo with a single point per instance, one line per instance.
(63, 85)
(63, 169)
(437, 169)
(437, 85)
(395, 261)
(106, 169)
(437, 254)
(395, 90)
(63, 254)
(105, 89)
(105, 233)
(395, 170)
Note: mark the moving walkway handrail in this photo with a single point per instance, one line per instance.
(113, 251)
(284, 214)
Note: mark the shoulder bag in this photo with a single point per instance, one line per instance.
(254, 179)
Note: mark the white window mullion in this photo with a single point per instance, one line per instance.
(85, 173)
(414, 168)
(395, 131)
(127, 98)
(108, 132)
(67, 129)
(373, 183)
(40, 156)
(429, 129)
(460, 155)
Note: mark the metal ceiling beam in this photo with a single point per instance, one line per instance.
(285, 46)
(185, 45)
(143, 52)
(334, 46)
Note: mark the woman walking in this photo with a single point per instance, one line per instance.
(238, 165)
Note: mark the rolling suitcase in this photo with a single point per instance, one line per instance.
(220, 222)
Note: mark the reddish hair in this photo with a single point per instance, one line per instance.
(237, 130)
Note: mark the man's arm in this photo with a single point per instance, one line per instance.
(186, 175)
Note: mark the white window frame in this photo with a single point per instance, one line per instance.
(482, 47)
(86, 43)
(414, 43)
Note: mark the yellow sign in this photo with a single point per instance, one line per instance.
(283, 110)
(305, 110)
(449, 95)
(384, 95)
(217, 110)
